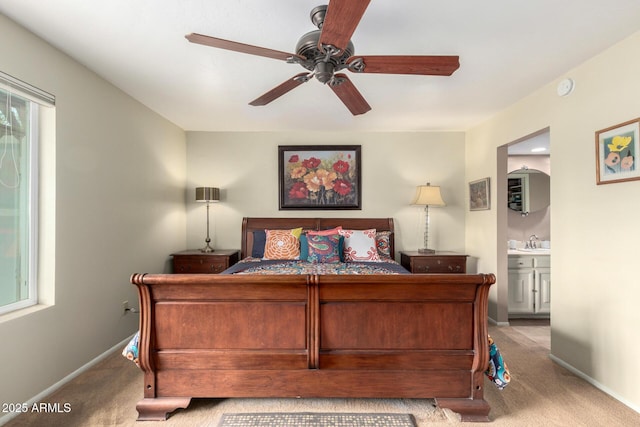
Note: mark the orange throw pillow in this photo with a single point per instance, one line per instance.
(282, 244)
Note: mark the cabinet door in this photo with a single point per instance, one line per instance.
(521, 286)
(543, 290)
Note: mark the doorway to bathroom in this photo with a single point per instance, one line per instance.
(527, 229)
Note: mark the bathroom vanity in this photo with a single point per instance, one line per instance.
(529, 283)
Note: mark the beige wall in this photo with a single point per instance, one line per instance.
(594, 314)
(245, 167)
(113, 205)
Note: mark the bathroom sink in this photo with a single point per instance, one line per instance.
(534, 251)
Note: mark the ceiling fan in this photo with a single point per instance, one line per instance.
(327, 50)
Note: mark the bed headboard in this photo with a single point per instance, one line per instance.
(249, 225)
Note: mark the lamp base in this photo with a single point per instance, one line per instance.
(207, 248)
(426, 251)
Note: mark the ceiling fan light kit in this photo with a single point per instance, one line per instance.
(326, 51)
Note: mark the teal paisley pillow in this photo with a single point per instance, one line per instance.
(323, 248)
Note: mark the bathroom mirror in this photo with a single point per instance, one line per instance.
(528, 190)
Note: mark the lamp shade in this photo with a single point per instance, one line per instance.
(207, 194)
(428, 195)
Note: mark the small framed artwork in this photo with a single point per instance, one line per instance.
(320, 177)
(616, 150)
(479, 195)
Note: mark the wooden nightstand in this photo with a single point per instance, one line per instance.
(197, 262)
(438, 262)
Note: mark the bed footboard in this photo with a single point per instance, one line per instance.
(396, 336)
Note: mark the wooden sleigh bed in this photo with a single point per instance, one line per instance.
(313, 335)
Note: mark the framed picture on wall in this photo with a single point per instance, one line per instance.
(479, 196)
(617, 147)
(320, 177)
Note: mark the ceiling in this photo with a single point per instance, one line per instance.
(507, 50)
(537, 145)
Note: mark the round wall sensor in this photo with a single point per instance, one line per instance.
(565, 87)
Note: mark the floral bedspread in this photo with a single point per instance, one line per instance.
(259, 266)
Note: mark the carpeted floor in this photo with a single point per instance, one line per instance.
(541, 393)
(538, 330)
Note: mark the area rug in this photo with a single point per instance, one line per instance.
(313, 419)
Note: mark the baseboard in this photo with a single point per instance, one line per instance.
(594, 383)
(494, 322)
(42, 395)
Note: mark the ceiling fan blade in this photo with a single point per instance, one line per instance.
(238, 47)
(281, 89)
(343, 16)
(347, 92)
(424, 65)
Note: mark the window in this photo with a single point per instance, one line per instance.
(18, 195)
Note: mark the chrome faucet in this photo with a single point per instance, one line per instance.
(531, 244)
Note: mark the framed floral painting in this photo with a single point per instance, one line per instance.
(479, 195)
(320, 177)
(617, 149)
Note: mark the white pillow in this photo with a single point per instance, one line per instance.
(360, 245)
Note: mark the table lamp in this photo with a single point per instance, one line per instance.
(207, 195)
(427, 195)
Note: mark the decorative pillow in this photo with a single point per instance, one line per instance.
(282, 244)
(323, 248)
(383, 239)
(259, 240)
(328, 232)
(360, 245)
(304, 247)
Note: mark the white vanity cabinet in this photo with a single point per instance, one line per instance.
(529, 285)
